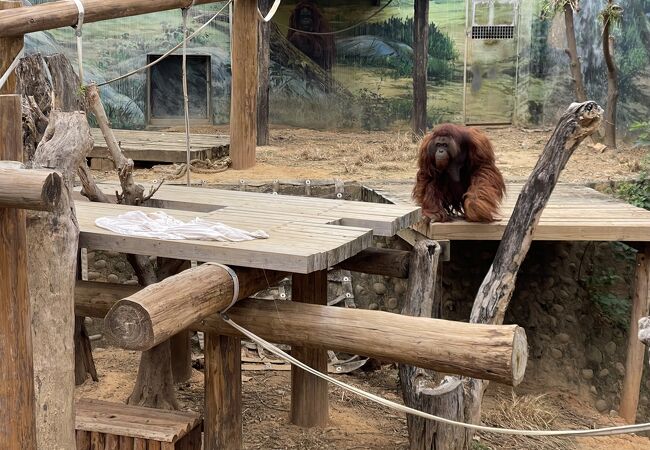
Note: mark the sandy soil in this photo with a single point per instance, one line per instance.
(362, 156)
(359, 424)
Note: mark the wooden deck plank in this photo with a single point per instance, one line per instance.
(295, 245)
(157, 146)
(573, 213)
(383, 219)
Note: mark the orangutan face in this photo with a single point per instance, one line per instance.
(448, 156)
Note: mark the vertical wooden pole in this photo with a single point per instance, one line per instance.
(243, 100)
(309, 404)
(9, 48)
(18, 430)
(223, 410)
(181, 350)
(635, 348)
(421, 54)
(264, 62)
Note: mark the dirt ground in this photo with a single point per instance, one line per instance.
(295, 154)
(356, 423)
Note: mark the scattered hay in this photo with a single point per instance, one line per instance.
(530, 412)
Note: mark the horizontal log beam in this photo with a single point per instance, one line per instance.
(159, 311)
(38, 190)
(47, 16)
(492, 352)
(379, 261)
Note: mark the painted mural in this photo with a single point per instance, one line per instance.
(347, 64)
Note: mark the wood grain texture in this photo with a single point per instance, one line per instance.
(296, 243)
(9, 48)
(243, 104)
(484, 351)
(52, 243)
(29, 189)
(635, 349)
(159, 311)
(264, 63)
(379, 261)
(420, 65)
(309, 403)
(47, 16)
(16, 376)
(223, 401)
(128, 421)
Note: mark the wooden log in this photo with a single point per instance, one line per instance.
(29, 189)
(309, 404)
(180, 347)
(420, 63)
(53, 239)
(18, 429)
(484, 351)
(159, 311)
(83, 356)
(243, 104)
(379, 261)
(635, 349)
(47, 16)
(9, 47)
(422, 389)
(264, 63)
(223, 398)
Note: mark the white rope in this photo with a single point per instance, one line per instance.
(171, 50)
(5, 76)
(235, 283)
(77, 28)
(271, 13)
(382, 401)
(186, 100)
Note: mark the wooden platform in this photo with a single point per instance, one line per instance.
(306, 234)
(383, 219)
(158, 146)
(573, 213)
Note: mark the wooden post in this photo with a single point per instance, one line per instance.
(223, 402)
(9, 49)
(420, 63)
(243, 99)
(635, 350)
(18, 429)
(309, 404)
(264, 59)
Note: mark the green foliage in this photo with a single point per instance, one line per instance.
(615, 309)
(642, 131)
(637, 192)
(121, 117)
(440, 48)
(378, 112)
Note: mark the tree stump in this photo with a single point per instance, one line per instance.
(52, 239)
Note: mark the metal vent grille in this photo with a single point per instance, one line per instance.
(493, 32)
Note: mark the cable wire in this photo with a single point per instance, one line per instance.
(382, 401)
(170, 51)
(271, 13)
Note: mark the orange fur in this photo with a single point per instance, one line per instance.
(478, 194)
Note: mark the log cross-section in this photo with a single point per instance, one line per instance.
(159, 311)
(29, 189)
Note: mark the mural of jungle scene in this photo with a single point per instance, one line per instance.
(353, 66)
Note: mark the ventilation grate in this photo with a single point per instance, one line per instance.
(493, 32)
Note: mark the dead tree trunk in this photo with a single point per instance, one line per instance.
(609, 15)
(572, 51)
(264, 62)
(421, 56)
(52, 239)
(579, 121)
(422, 389)
(83, 355)
(154, 386)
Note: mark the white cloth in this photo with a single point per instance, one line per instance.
(163, 226)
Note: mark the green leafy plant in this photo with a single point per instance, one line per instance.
(615, 309)
(642, 131)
